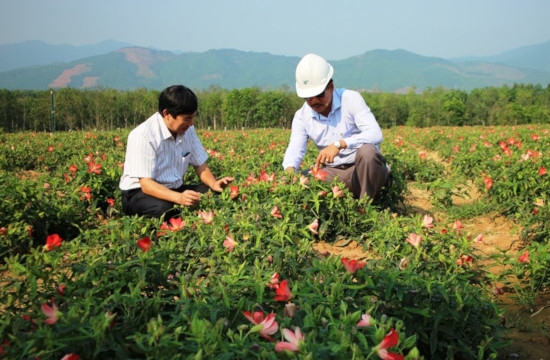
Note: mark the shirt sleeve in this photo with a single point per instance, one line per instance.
(368, 130)
(140, 156)
(297, 145)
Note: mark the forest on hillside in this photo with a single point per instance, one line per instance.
(71, 109)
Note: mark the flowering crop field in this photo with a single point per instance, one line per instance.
(238, 276)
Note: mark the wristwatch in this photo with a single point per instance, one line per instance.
(337, 144)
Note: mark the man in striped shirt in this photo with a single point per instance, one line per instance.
(158, 154)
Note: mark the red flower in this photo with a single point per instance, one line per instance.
(390, 340)
(352, 265)
(542, 171)
(52, 241)
(488, 182)
(319, 173)
(233, 191)
(94, 167)
(464, 259)
(71, 356)
(144, 244)
(275, 212)
(282, 293)
(269, 325)
(174, 224)
(61, 289)
(524, 257)
(51, 312)
(111, 202)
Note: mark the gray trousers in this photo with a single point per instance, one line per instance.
(366, 176)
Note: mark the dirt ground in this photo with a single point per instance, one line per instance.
(528, 329)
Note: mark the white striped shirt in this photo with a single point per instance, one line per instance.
(152, 152)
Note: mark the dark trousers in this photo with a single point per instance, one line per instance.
(135, 202)
(364, 178)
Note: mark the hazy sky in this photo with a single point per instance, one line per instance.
(333, 29)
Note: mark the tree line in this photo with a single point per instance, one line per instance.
(108, 109)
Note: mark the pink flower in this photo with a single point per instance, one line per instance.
(274, 281)
(422, 154)
(479, 239)
(275, 212)
(337, 192)
(458, 226)
(144, 244)
(282, 293)
(304, 180)
(52, 241)
(52, 312)
(314, 226)
(403, 263)
(414, 239)
(365, 321)
(206, 216)
(524, 257)
(268, 323)
(427, 221)
(229, 243)
(352, 265)
(293, 340)
(542, 171)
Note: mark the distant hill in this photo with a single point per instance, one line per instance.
(35, 52)
(377, 70)
(532, 57)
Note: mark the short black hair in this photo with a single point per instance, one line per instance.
(178, 100)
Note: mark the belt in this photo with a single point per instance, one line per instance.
(342, 167)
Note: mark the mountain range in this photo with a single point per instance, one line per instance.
(35, 65)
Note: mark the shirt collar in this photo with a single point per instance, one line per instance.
(166, 134)
(336, 104)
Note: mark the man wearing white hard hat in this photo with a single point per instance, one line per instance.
(341, 125)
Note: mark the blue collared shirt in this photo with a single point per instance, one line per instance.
(350, 119)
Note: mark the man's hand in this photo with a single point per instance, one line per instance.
(326, 155)
(221, 184)
(189, 198)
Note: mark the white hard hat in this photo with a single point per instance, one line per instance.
(312, 75)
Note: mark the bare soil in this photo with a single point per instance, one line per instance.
(528, 329)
